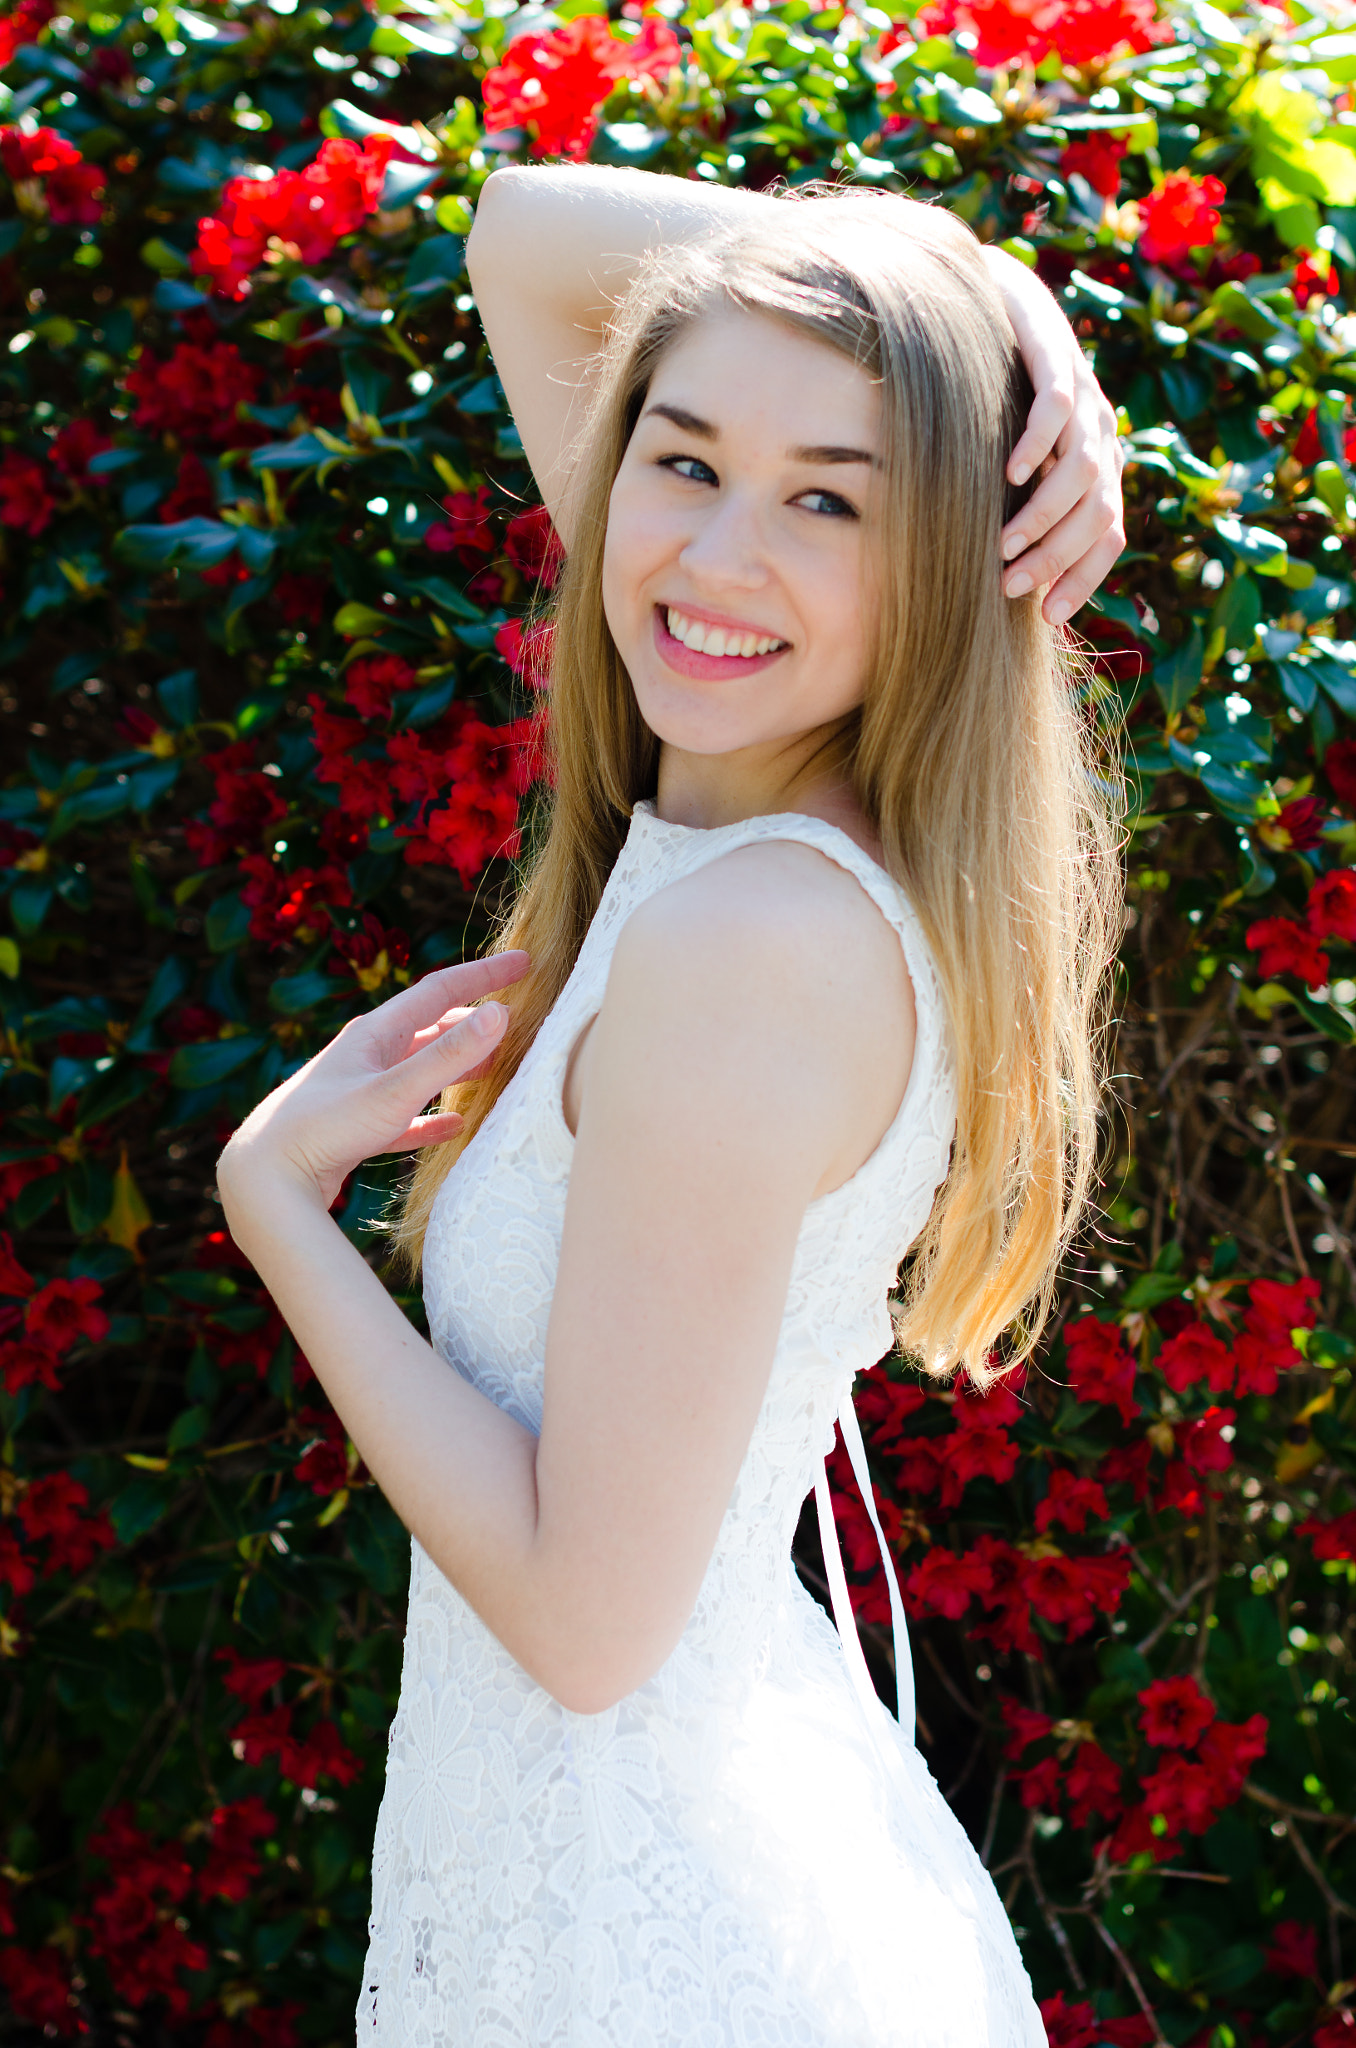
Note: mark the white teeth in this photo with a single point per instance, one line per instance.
(717, 640)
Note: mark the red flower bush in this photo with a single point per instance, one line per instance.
(1287, 948)
(1097, 158)
(1101, 1370)
(1334, 1541)
(1085, 32)
(554, 83)
(23, 25)
(36, 1983)
(51, 169)
(528, 653)
(370, 684)
(292, 216)
(1196, 1354)
(533, 546)
(132, 1923)
(468, 530)
(25, 500)
(232, 1858)
(1175, 1713)
(1331, 910)
(1070, 1502)
(74, 447)
(65, 1311)
(1179, 216)
(196, 393)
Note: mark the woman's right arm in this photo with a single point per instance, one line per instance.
(551, 253)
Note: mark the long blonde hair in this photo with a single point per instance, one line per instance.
(970, 755)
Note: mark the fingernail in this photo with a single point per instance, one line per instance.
(485, 1020)
(1058, 613)
(1018, 585)
(1015, 544)
(1021, 473)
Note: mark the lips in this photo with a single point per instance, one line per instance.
(707, 667)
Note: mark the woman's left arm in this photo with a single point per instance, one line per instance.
(1071, 531)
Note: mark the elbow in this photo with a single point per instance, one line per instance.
(589, 1675)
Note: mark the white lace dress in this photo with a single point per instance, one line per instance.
(746, 1852)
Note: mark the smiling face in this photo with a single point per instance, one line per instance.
(737, 577)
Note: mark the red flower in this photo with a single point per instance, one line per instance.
(1338, 2030)
(25, 501)
(1092, 1785)
(1024, 1726)
(997, 1407)
(324, 1466)
(24, 25)
(1278, 1306)
(14, 1279)
(1228, 1747)
(556, 82)
(195, 393)
(232, 1861)
(1308, 449)
(533, 546)
(14, 842)
(1006, 31)
(52, 1510)
(945, 1583)
(1066, 1591)
(478, 822)
(1313, 283)
(1339, 765)
(1334, 1541)
(1296, 827)
(246, 803)
(373, 950)
(1069, 1503)
(1097, 158)
(36, 1981)
(1176, 1713)
(527, 651)
(1294, 1950)
(1287, 948)
(130, 1920)
(251, 1679)
(74, 448)
(16, 1570)
(71, 189)
(321, 1754)
(1331, 910)
(26, 1364)
(1181, 215)
(975, 1454)
(1135, 1836)
(1101, 1370)
(292, 216)
(1180, 1490)
(64, 1311)
(289, 909)
(468, 528)
(1008, 1624)
(1039, 1787)
(1202, 1443)
(301, 599)
(1069, 2026)
(1195, 1353)
(370, 684)
(884, 1406)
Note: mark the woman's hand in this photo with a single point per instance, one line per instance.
(363, 1094)
(1076, 514)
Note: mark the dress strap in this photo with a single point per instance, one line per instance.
(838, 1590)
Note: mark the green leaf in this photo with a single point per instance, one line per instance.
(1264, 552)
(356, 620)
(293, 994)
(188, 1429)
(305, 452)
(436, 265)
(227, 924)
(140, 1506)
(1179, 677)
(159, 255)
(445, 596)
(201, 1066)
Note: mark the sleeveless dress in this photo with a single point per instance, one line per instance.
(747, 1851)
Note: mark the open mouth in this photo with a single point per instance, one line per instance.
(695, 648)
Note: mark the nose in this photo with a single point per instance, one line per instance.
(727, 547)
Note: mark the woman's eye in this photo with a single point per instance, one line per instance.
(688, 466)
(827, 504)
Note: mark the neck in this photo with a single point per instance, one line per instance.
(710, 790)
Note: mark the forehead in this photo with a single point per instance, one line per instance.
(752, 374)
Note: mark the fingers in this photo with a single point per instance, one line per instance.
(1049, 416)
(427, 1130)
(463, 1040)
(1070, 592)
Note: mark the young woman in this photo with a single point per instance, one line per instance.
(819, 928)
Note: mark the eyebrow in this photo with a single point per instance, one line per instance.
(704, 431)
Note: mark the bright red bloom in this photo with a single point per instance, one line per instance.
(919, 1462)
(1176, 1713)
(301, 599)
(293, 216)
(35, 1981)
(1181, 215)
(1194, 1354)
(24, 1364)
(1092, 1785)
(556, 82)
(1337, 2030)
(1334, 1541)
(64, 1311)
(14, 1278)
(52, 1510)
(373, 949)
(289, 909)
(1278, 1306)
(71, 188)
(1101, 1370)
(468, 529)
(1287, 948)
(1202, 1443)
(1067, 1591)
(1228, 1747)
(945, 1583)
(1181, 1490)
(75, 447)
(24, 25)
(1297, 826)
(1331, 910)
(195, 393)
(1134, 1836)
(478, 821)
(1339, 765)
(1007, 1624)
(130, 1920)
(1096, 157)
(232, 1860)
(25, 501)
(1293, 1950)
(246, 803)
(303, 1761)
(1069, 2026)
(1069, 1503)
(324, 1465)
(997, 1407)
(527, 651)
(1024, 1726)
(1311, 282)
(533, 546)
(1038, 1788)
(370, 684)
(251, 1679)
(1083, 31)
(884, 1406)
(975, 1454)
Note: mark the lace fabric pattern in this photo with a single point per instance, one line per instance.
(719, 1860)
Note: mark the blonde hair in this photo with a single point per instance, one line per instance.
(970, 755)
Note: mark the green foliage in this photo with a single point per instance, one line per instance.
(260, 604)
